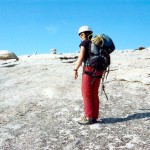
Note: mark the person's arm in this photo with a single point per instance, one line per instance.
(79, 61)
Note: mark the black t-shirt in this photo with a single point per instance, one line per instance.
(86, 44)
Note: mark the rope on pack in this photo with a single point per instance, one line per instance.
(98, 40)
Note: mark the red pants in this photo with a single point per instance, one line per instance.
(90, 87)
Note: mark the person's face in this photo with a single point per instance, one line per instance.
(83, 36)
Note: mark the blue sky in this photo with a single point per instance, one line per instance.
(27, 26)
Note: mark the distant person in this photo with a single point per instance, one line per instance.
(90, 83)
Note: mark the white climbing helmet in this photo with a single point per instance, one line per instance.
(84, 29)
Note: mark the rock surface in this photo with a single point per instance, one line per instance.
(40, 104)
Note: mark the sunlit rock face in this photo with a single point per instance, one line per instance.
(40, 104)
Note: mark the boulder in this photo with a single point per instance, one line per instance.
(5, 55)
(53, 51)
(140, 48)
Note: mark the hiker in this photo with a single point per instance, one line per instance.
(90, 81)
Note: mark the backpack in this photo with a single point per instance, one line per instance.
(99, 51)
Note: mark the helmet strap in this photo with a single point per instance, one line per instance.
(89, 36)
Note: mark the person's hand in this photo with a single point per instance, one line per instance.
(75, 74)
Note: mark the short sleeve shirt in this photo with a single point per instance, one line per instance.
(85, 44)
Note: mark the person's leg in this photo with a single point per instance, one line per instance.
(95, 98)
(87, 82)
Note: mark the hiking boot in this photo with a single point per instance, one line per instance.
(85, 121)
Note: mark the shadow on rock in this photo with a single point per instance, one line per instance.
(12, 65)
(130, 117)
